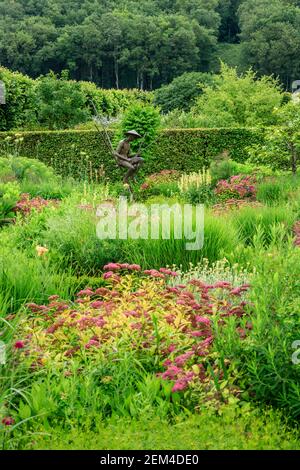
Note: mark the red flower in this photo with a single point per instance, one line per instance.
(19, 345)
(8, 421)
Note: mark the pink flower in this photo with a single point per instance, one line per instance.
(222, 284)
(134, 267)
(167, 363)
(179, 386)
(92, 343)
(172, 348)
(53, 297)
(205, 321)
(8, 421)
(124, 266)
(97, 304)
(132, 313)
(112, 267)
(85, 293)
(171, 373)
(102, 291)
(183, 358)
(197, 334)
(108, 275)
(19, 345)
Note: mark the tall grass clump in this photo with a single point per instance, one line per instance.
(248, 219)
(270, 372)
(220, 239)
(272, 192)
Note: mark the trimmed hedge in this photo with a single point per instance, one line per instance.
(82, 154)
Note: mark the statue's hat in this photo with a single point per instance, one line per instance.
(136, 134)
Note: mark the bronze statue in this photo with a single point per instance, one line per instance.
(123, 158)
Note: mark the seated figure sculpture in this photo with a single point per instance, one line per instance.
(123, 158)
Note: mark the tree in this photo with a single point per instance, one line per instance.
(237, 100)
(60, 102)
(282, 144)
(270, 34)
(115, 43)
(182, 91)
(229, 28)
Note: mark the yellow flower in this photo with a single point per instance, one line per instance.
(41, 250)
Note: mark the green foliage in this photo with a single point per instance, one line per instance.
(220, 240)
(64, 235)
(281, 149)
(143, 119)
(27, 170)
(20, 108)
(268, 354)
(202, 195)
(117, 43)
(239, 100)
(84, 154)
(60, 102)
(250, 221)
(182, 91)
(112, 102)
(55, 102)
(272, 192)
(9, 194)
(233, 428)
(268, 31)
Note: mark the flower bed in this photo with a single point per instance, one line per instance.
(26, 204)
(137, 309)
(238, 187)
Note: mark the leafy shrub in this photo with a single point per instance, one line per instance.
(238, 187)
(112, 102)
(182, 91)
(20, 108)
(144, 119)
(169, 328)
(28, 170)
(60, 102)
(9, 194)
(164, 183)
(201, 195)
(239, 100)
(29, 102)
(281, 148)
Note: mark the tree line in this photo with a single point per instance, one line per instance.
(145, 44)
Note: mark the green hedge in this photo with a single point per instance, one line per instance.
(82, 153)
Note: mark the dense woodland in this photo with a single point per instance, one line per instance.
(147, 43)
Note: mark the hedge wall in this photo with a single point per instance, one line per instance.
(82, 154)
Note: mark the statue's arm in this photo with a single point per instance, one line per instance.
(118, 153)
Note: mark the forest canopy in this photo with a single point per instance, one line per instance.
(146, 44)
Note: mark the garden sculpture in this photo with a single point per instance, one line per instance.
(123, 158)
